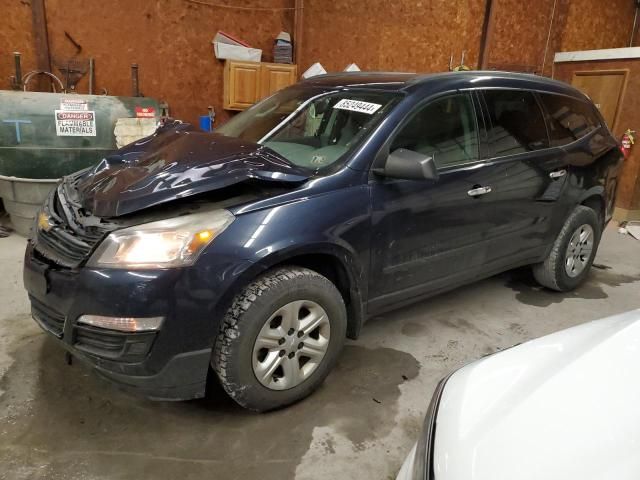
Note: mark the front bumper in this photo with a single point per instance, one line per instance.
(170, 364)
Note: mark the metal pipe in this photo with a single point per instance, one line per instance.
(298, 18)
(18, 81)
(91, 66)
(41, 41)
(135, 90)
(633, 29)
(486, 35)
(212, 115)
(28, 76)
(546, 46)
(66, 79)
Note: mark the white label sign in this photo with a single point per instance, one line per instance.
(75, 124)
(74, 105)
(357, 106)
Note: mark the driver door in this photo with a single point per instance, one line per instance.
(430, 235)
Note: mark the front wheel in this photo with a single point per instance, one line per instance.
(280, 338)
(573, 252)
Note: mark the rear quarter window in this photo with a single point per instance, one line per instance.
(569, 119)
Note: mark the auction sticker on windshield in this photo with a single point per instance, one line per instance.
(75, 124)
(357, 106)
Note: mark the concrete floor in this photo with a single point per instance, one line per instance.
(59, 421)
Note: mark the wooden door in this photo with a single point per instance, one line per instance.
(276, 76)
(241, 84)
(605, 88)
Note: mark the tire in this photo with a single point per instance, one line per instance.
(252, 320)
(558, 272)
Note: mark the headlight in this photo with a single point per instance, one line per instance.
(174, 242)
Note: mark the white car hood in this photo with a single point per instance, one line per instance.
(565, 406)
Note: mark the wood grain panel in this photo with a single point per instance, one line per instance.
(595, 24)
(399, 36)
(170, 40)
(15, 35)
(520, 34)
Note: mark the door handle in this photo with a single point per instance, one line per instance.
(558, 173)
(475, 192)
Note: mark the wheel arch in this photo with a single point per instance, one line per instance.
(332, 261)
(595, 199)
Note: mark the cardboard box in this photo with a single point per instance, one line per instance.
(226, 47)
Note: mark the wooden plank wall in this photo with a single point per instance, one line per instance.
(520, 35)
(382, 35)
(15, 34)
(420, 35)
(595, 24)
(171, 40)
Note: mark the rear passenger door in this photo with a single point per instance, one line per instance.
(532, 181)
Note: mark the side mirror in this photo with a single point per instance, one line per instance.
(409, 165)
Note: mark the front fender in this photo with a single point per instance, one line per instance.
(336, 223)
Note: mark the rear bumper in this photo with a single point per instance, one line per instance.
(171, 364)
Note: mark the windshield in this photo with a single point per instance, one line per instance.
(309, 127)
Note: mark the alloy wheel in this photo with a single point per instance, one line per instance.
(291, 345)
(579, 250)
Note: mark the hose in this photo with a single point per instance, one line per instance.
(27, 78)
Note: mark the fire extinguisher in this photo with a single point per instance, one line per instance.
(627, 142)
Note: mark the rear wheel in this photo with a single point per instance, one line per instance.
(573, 252)
(280, 338)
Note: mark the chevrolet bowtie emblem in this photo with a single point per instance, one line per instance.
(43, 222)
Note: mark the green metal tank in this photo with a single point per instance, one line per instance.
(44, 136)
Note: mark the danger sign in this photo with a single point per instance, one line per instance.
(75, 124)
(145, 112)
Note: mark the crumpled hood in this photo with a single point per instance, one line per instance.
(176, 162)
(564, 406)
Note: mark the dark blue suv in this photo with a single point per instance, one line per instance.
(255, 251)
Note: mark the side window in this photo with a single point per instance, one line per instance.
(444, 129)
(517, 123)
(569, 119)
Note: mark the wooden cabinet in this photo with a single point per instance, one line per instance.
(247, 82)
(276, 76)
(241, 84)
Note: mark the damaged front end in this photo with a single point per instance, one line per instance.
(175, 172)
(99, 266)
(64, 232)
(177, 162)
